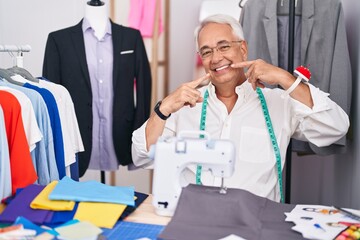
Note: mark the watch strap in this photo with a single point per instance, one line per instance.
(159, 113)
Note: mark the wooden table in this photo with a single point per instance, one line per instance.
(145, 213)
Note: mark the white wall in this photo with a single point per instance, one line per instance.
(29, 22)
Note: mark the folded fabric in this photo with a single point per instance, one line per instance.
(103, 215)
(42, 200)
(60, 217)
(78, 230)
(30, 225)
(91, 191)
(20, 206)
(140, 197)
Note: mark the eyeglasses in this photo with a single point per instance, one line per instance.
(222, 47)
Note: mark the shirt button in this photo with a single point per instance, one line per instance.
(100, 61)
(100, 81)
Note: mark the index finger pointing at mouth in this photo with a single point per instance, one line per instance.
(198, 81)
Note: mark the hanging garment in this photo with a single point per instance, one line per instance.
(70, 128)
(22, 169)
(323, 47)
(43, 155)
(32, 131)
(55, 126)
(5, 176)
(65, 64)
(142, 16)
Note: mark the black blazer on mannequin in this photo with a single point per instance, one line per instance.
(65, 64)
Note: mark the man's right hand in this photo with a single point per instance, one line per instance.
(185, 95)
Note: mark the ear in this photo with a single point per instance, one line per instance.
(244, 50)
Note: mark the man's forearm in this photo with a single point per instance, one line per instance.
(154, 129)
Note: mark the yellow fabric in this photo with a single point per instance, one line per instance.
(42, 200)
(100, 214)
(2, 207)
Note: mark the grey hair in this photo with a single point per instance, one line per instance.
(222, 19)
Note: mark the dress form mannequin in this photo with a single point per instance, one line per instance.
(97, 15)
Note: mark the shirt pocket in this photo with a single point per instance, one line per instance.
(254, 145)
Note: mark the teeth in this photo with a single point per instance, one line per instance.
(221, 68)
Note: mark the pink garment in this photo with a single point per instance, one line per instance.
(142, 16)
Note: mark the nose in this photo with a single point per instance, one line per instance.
(216, 56)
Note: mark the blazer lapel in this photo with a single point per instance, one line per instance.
(117, 43)
(270, 26)
(306, 26)
(79, 45)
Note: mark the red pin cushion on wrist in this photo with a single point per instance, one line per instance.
(303, 73)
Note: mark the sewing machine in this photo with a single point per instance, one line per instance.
(172, 155)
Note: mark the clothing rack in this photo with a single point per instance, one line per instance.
(18, 59)
(290, 69)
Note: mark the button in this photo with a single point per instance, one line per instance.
(100, 61)
(100, 81)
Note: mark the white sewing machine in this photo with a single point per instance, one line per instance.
(172, 155)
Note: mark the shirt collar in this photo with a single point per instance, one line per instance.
(244, 90)
(86, 26)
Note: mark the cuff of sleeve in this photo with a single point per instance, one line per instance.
(320, 100)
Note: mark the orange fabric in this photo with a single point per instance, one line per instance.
(22, 169)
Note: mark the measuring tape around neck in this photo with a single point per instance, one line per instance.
(270, 130)
(273, 140)
(202, 128)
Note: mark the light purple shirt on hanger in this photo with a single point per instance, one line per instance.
(99, 57)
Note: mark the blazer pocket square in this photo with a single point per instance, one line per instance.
(127, 52)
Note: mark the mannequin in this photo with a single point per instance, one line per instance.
(97, 15)
(98, 61)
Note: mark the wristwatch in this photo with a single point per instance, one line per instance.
(157, 111)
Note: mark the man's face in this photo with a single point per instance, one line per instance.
(217, 61)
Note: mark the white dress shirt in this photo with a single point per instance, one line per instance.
(255, 167)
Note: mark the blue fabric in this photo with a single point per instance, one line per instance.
(92, 191)
(74, 169)
(55, 125)
(60, 217)
(30, 225)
